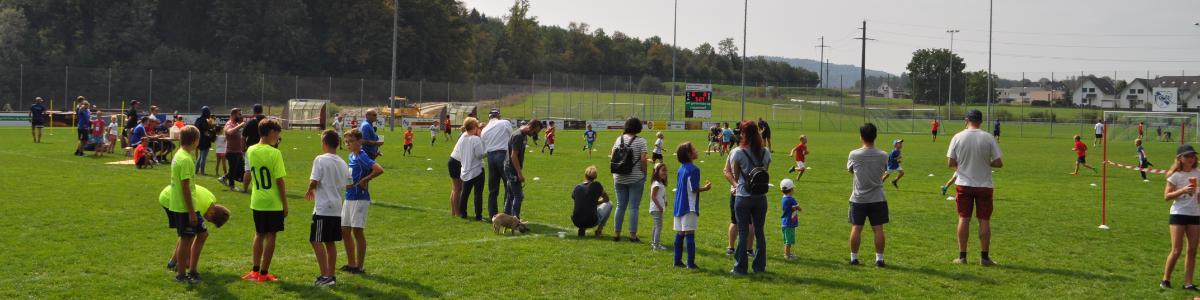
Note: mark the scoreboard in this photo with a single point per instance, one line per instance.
(698, 101)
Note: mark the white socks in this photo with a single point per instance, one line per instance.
(878, 256)
(853, 256)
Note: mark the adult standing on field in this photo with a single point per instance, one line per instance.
(83, 122)
(496, 136)
(750, 206)
(234, 149)
(37, 119)
(972, 155)
(1099, 132)
(207, 136)
(766, 133)
(630, 182)
(131, 120)
(250, 131)
(370, 139)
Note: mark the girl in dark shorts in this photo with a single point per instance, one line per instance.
(1185, 214)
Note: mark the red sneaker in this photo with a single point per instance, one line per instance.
(250, 276)
(267, 277)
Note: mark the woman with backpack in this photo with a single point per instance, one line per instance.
(749, 168)
(629, 173)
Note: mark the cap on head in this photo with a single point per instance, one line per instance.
(786, 185)
(1185, 149)
(897, 141)
(495, 112)
(258, 109)
(975, 116)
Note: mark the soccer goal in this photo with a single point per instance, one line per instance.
(902, 120)
(787, 112)
(1122, 126)
(619, 110)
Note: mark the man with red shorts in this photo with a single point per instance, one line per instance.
(972, 154)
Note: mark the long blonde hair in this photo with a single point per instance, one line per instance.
(1178, 165)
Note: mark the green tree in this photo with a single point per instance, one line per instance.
(521, 43)
(930, 70)
(977, 87)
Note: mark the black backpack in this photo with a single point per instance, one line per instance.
(622, 159)
(757, 180)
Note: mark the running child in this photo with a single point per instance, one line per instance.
(658, 193)
(265, 169)
(799, 153)
(790, 218)
(714, 139)
(433, 131)
(329, 178)
(549, 139)
(996, 130)
(589, 138)
(658, 149)
(1081, 150)
(202, 201)
(1141, 128)
(687, 204)
(1143, 162)
(933, 125)
(358, 200)
(408, 141)
(893, 163)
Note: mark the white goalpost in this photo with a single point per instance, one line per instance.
(902, 120)
(789, 112)
(1122, 126)
(619, 110)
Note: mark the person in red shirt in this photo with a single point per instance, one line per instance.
(1141, 129)
(934, 126)
(798, 153)
(97, 138)
(446, 127)
(1081, 150)
(408, 144)
(549, 139)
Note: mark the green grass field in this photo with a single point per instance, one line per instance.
(80, 228)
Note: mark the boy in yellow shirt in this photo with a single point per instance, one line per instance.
(264, 173)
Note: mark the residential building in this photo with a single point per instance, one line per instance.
(1135, 95)
(1093, 91)
(1026, 95)
(1189, 89)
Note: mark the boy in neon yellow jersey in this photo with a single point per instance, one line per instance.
(215, 213)
(181, 207)
(264, 165)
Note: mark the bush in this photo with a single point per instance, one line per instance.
(332, 108)
(1002, 114)
(1040, 103)
(1042, 116)
(650, 84)
(1089, 115)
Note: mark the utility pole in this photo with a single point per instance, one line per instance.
(862, 72)
(745, 23)
(950, 99)
(989, 79)
(392, 82)
(674, 45)
(821, 72)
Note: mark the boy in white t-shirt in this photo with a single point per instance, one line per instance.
(658, 149)
(330, 176)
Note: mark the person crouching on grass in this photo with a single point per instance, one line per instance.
(329, 178)
(687, 204)
(203, 200)
(265, 169)
(358, 199)
(1081, 150)
(1185, 214)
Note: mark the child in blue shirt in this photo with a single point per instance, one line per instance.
(687, 201)
(1143, 162)
(893, 163)
(789, 219)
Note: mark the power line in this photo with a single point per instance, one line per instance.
(1049, 56)
(1033, 44)
(1053, 33)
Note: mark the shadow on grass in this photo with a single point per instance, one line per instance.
(393, 206)
(773, 277)
(939, 273)
(309, 291)
(213, 285)
(1063, 272)
(420, 289)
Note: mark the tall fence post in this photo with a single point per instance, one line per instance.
(21, 88)
(296, 86)
(361, 92)
(66, 87)
(109, 87)
(151, 93)
(189, 91)
(226, 99)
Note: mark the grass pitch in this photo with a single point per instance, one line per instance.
(80, 228)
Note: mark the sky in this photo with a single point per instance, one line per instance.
(1041, 38)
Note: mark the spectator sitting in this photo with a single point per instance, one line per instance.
(142, 154)
(592, 206)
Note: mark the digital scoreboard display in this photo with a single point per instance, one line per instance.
(698, 96)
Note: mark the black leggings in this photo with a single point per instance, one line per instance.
(236, 168)
(476, 184)
(1145, 164)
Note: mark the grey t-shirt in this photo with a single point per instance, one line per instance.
(741, 157)
(516, 145)
(868, 165)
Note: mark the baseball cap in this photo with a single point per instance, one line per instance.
(494, 112)
(134, 102)
(975, 115)
(897, 141)
(1185, 149)
(786, 184)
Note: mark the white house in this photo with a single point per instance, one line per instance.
(1136, 94)
(1093, 91)
(885, 90)
(1189, 89)
(1026, 95)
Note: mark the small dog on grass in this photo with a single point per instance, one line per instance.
(510, 223)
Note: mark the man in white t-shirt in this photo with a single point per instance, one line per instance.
(495, 136)
(326, 186)
(972, 155)
(1099, 132)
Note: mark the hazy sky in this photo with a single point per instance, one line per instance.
(1032, 36)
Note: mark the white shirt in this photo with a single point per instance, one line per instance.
(662, 196)
(974, 150)
(456, 153)
(220, 144)
(658, 144)
(471, 156)
(337, 126)
(332, 175)
(1099, 128)
(1186, 203)
(496, 135)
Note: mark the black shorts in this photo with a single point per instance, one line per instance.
(455, 168)
(170, 218)
(82, 134)
(1098, 135)
(1081, 159)
(732, 213)
(935, 132)
(766, 135)
(181, 224)
(1183, 220)
(995, 133)
(657, 156)
(877, 212)
(325, 229)
(268, 221)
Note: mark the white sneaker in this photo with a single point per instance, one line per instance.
(1145, 180)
